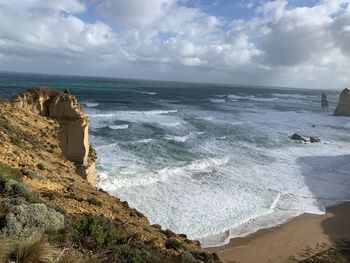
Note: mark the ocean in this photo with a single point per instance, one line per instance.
(211, 161)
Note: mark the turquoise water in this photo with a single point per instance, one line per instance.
(211, 161)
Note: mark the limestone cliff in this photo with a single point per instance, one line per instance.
(74, 124)
(343, 107)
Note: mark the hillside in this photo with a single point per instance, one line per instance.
(79, 222)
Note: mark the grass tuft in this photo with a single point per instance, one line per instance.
(29, 250)
(10, 173)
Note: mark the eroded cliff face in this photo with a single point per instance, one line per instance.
(74, 125)
(343, 107)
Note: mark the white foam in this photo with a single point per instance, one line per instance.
(91, 104)
(177, 138)
(144, 141)
(174, 124)
(118, 113)
(218, 100)
(162, 117)
(234, 186)
(149, 93)
(118, 127)
(235, 97)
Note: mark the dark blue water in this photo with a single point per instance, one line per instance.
(211, 161)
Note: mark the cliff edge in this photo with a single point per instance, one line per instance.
(343, 107)
(74, 125)
(46, 203)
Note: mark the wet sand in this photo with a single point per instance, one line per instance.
(297, 239)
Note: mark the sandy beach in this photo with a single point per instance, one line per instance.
(298, 239)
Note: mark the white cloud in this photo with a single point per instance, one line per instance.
(281, 44)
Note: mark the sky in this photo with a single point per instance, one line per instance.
(292, 43)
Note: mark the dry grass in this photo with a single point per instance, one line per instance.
(28, 250)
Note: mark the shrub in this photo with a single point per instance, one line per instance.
(23, 220)
(135, 213)
(51, 194)
(10, 173)
(15, 140)
(168, 233)
(131, 255)
(74, 196)
(96, 232)
(40, 166)
(30, 174)
(157, 226)
(29, 250)
(173, 243)
(12, 188)
(94, 201)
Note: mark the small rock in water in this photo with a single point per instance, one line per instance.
(298, 137)
(314, 139)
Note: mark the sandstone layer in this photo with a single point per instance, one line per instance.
(74, 125)
(343, 107)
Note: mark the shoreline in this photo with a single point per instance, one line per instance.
(296, 239)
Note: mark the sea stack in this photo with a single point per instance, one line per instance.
(74, 124)
(343, 107)
(324, 101)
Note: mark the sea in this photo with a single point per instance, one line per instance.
(211, 161)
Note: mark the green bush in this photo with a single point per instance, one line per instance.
(97, 232)
(10, 173)
(131, 255)
(168, 233)
(40, 166)
(12, 188)
(173, 243)
(94, 201)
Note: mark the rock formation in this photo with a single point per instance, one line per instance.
(298, 137)
(314, 139)
(324, 101)
(343, 107)
(73, 134)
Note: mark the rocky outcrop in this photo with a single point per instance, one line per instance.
(298, 137)
(324, 101)
(74, 124)
(314, 139)
(343, 107)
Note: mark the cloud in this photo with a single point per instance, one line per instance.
(44, 28)
(134, 12)
(280, 44)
